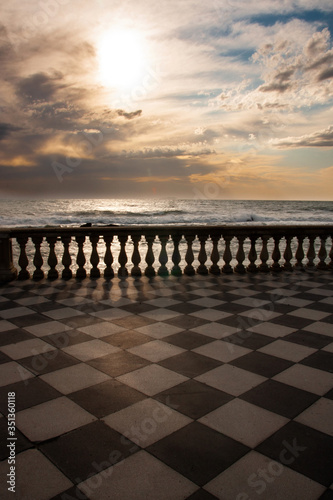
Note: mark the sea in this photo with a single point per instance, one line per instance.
(101, 212)
(75, 212)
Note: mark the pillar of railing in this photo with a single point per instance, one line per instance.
(163, 257)
(322, 254)
(288, 255)
(108, 257)
(227, 256)
(23, 258)
(264, 255)
(176, 271)
(52, 260)
(80, 258)
(252, 268)
(38, 259)
(7, 270)
(150, 259)
(189, 257)
(215, 257)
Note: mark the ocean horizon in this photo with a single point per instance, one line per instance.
(75, 212)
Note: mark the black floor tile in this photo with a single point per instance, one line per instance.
(328, 495)
(107, 397)
(88, 450)
(4, 358)
(328, 319)
(201, 495)
(291, 321)
(186, 322)
(329, 394)
(250, 340)
(29, 320)
(262, 364)
(14, 336)
(68, 338)
(132, 322)
(80, 321)
(185, 308)
(190, 364)
(193, 398)
(8, 304)
(322, 360)
(72, 494)
(21, 443)
(127, 339)
(47, 362)
(308, 339)
(230, 307)
(309, 451)
(198, 452)
(187, 339)
(138, 308)
(118, 363)
(280, 398)
(28, 393)
(46, 307)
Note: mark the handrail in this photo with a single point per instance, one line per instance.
(258, 248)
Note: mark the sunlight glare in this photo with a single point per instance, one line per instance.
(121, 58)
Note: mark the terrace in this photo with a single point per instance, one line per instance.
(188, 372)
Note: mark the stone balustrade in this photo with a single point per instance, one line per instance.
(145, 250)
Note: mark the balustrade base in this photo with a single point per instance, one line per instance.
(7, 275)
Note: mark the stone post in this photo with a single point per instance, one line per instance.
(7, 270)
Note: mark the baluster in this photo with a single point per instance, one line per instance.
(66, 258)
(299, 253)
(252, 268)
(38, 259)
(176, 271)
(276, 255)
(7, 270)
(23, 259)
(150, 258)
(240, 256)
(189, 257)
(215, 257)
(288, 255)
(263, 268)
(94, 258)
(163, 258)
(322, 254)
(80, 258)
(311, 252)
(227, 257)
(136, 258)
(202, 257)
(52, 260)
(330, 265)
(122, 271)
(108, 257)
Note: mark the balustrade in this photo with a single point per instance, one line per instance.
(69, 252)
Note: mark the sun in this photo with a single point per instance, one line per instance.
(122, 58)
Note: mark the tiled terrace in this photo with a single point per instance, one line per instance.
(170, 388)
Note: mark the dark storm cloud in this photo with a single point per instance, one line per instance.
(321, 139)
(129, 116)
(6, 129)
(39, 87)
(325, 75)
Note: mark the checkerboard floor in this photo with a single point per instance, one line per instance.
(169, 388)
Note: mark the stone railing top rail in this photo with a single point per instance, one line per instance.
(234, 229)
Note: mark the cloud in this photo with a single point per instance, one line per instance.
(296, 72)
(170, 152)
(129, 116)
(321, 139)
(6, 129)
(39, 87)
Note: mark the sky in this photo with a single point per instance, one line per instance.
(223, 99)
